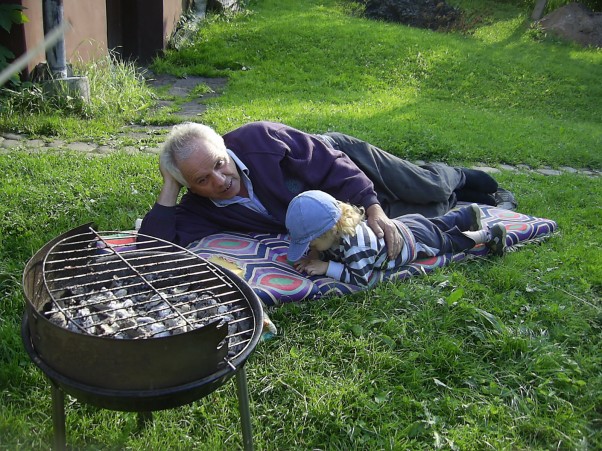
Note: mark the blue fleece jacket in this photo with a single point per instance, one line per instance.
(282, 162)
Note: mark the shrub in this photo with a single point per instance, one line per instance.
(10, 14)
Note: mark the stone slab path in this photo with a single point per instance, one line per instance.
(191, 105)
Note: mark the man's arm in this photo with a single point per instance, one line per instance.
(334, 172)
(170, 189)
(160, 222)
(315, 164)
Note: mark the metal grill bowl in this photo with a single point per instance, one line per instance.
(119, 373)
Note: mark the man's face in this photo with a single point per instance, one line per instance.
(211, 173)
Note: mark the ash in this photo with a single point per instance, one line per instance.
(139, 313)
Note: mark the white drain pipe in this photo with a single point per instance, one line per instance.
(61, 83)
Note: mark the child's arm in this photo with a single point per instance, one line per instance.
(362, 255)
(354, 265)
(352, 272)
(312, 267)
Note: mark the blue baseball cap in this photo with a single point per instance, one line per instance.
(309, 215)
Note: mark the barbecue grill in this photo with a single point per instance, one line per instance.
(129, 322)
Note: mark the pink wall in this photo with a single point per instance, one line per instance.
(87, 38)
(84, 40)
(172, 11)
(33, 30)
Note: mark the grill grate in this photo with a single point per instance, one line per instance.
(132, 286)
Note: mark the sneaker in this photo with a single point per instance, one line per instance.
(505, 200)
(497, 239)
(476, 218)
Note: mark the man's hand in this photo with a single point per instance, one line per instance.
(382, 226)
(170, 190)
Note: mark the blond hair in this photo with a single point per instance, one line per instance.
(351, 216)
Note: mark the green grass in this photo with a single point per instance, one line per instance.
(493, 94)
(489, 353)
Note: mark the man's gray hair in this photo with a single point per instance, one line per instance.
(183, 140)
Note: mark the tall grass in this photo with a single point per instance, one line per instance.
(118, 96)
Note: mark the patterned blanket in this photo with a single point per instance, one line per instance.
(260, 259)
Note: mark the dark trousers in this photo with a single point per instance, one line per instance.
(403, 187)
(443, 232)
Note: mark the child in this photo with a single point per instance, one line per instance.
(349, 250)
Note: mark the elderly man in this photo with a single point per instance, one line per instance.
(245, 180)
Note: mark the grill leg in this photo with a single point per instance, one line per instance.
(144, 419)
(58, 417)
(243, 407)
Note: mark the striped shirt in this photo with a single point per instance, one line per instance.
(354, 259)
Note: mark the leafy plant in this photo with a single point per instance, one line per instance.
(10, 14)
